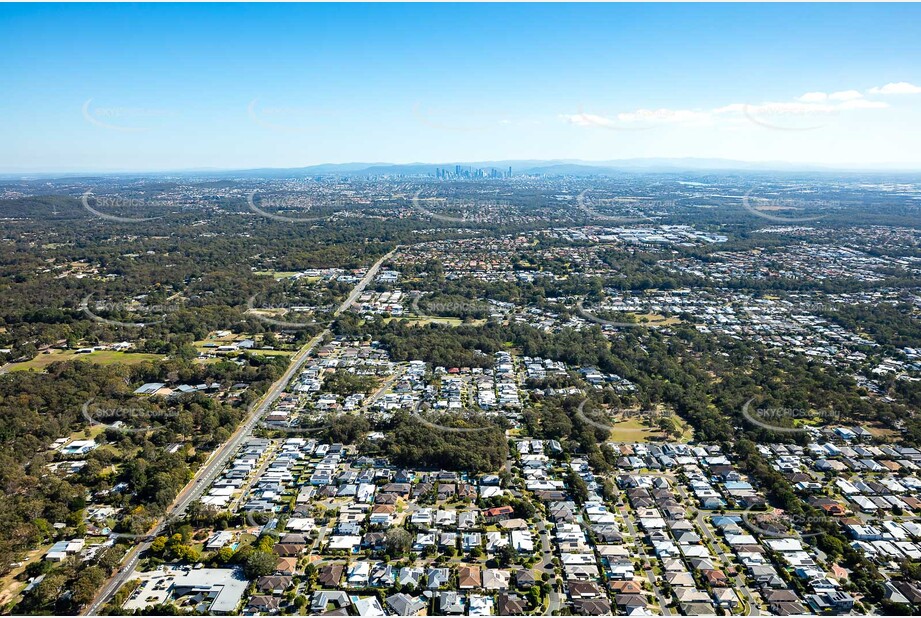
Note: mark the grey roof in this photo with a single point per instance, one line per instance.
(227, 586)
(404, 605)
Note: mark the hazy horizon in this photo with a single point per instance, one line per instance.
(145, 88)
(632, 164)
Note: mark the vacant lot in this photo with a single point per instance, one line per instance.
(103, 357)
(637, 429)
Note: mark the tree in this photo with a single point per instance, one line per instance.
(348, 428)
(87, 585)
(158, 545)
(111, 558)
(260, 563)
(668, 426)
(311, 573)
(534, 596)
(49, 588)
(523, 509)
(506, 555)
(578, 487)
(398, 542)
(412, 443)
(187, 553)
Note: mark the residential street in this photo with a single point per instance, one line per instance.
(219, 458)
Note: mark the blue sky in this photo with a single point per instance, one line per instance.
(163, 87)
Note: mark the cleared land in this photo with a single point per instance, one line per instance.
(275, 273)
(102, 357)
(638, 429)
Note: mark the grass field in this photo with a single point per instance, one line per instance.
(883, 432)
(103, 357)
(208, 361)
(655, 319)
(227, 340)
(275, 273)
(213, 338)
(91, 431)
(10, 584)
(271, 352)
(635, 430)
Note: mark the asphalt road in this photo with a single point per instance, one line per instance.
(641, 548)
(555, 603)
(546, 563)
(219, 458)
(727, 561)
(377, 394)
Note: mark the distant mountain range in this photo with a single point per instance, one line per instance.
(563, 167)
(568, 167)
(552, 167)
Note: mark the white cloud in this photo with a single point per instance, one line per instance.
(896, 88)
(646, 117)
(777, 108)
(734, 108)
(845, 95)
(791, 109)
(664, 115)
(810, 104)
(822, 97)
(863, 104)
(813, 97)
(588, 120)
